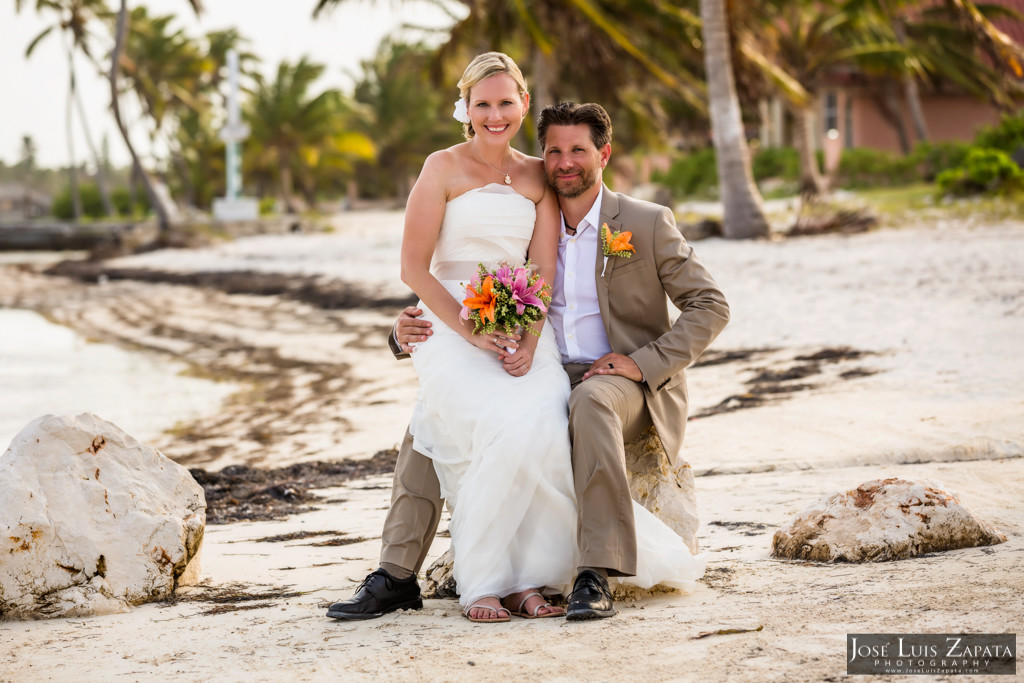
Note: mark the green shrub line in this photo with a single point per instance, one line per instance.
(984, 171)
(983, 166)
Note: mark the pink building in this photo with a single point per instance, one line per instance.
(856, 112)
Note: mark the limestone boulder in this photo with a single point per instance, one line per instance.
(881, 520)
(667, 491)
(92, 521)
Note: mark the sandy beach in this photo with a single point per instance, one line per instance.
(893, 353)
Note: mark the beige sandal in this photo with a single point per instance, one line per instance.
(496, 610)
(526, 615)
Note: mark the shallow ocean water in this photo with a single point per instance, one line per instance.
(47, 368)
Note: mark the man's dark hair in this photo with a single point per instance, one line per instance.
(571, 114)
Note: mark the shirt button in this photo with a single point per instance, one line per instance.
(572, 307)
(570, 274)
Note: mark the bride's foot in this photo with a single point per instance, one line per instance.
(530, 604)
(487, 610)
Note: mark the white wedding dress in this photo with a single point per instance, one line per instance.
(500, 443)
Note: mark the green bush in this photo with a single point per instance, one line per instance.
(1007, 135)
(776, 162)
(92, 204)
(268, 205)
(933, 158)
(694, 173)
(984, 170)
(863, 167)
(121, 197)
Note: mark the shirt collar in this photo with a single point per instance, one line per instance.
(592, 219)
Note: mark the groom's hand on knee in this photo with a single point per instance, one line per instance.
(615, 364)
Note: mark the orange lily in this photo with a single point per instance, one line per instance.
(484, 300)
(615, 243)
(620, 242)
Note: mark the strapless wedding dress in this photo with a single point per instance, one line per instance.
(500, 444)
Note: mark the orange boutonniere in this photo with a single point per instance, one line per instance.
(615, 243)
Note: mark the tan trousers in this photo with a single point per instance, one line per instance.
(415, 509)
(604, 412)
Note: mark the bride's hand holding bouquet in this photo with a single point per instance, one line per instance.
(510, 299)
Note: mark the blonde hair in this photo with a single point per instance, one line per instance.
(482, 67)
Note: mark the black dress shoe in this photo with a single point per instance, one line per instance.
(590, 598)
(378, 594)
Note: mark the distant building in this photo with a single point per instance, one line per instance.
(19, 202)
(856, 111)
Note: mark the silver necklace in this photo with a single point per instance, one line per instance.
(508, 178)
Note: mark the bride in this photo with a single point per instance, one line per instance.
(497, 437)
(497, 433)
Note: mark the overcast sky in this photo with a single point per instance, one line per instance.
(33, 92)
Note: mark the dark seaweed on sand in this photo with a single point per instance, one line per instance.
(244, 493)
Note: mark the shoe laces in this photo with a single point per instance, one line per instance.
(389, 581)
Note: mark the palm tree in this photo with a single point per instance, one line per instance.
(743, 213)
(74, 19)
(158, 200)
(403, 112)
(291, 128)
(567, 42)
(168, 72)
(954, 41)
(27, 163)
(808, 40)
(625, 54)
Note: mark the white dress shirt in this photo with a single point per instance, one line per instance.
(574, 313)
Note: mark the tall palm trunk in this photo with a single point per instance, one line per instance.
(162, 214)
(543, 75)
(101, 173)
(894, 114)
(287, 184)
(76, 194)
(812, 183)
(911, 91)
(743, 213)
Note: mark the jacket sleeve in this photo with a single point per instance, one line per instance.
(703, 309)
(396, 348)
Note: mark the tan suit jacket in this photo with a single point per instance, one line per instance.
(632, 298)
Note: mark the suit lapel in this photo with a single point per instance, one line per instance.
(609, 212)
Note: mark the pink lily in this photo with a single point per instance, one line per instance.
(504, 275)
(524, 294)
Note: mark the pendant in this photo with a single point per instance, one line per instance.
(508, 179)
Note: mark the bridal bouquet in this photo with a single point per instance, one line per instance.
(508, 298)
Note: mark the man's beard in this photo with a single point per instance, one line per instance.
(586, 181)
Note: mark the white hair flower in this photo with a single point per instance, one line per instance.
(461, 113)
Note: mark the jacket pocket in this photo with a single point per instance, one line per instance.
(625, 268)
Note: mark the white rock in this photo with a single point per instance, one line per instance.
(92, 521)
(880, 520)
(668, 492)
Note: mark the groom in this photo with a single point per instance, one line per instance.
(625, 359)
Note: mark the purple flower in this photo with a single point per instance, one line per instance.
(523, 293)
(504, 275)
